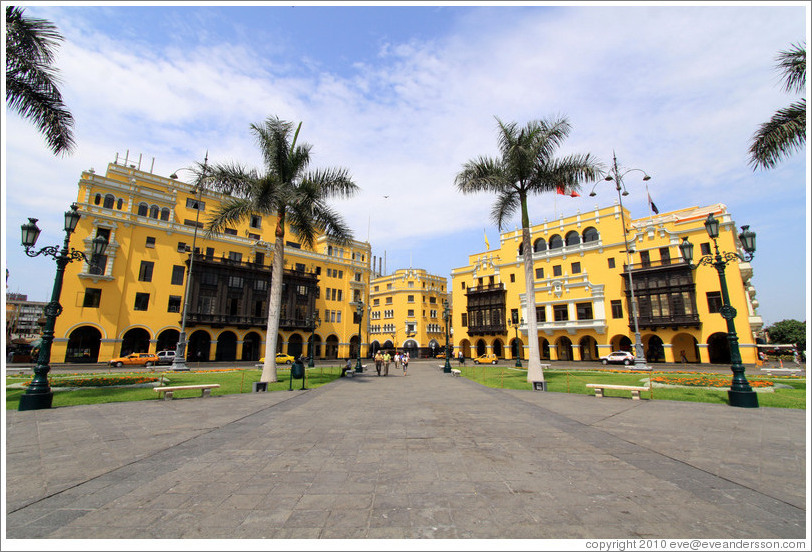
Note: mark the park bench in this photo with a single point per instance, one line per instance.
(455, 372)
(169, 391)
(599, 387)
(781, 370)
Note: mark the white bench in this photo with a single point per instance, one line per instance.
(455, 372)
(599, 387)
(781, 370)
(169, 391)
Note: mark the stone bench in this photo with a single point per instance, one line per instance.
(599, 387)
(169, 391)
(455, 372)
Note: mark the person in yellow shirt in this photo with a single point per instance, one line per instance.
(386, 360)
(378, 361)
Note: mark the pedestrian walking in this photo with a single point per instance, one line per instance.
(683, 358)
(387, 358)
(461, 358)
(378, 362)
(405, 361)
(397, 359)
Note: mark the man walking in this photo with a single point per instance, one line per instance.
(386, 360)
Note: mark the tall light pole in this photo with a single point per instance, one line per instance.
(314, 322)
(39, 394)
(614, 174)
(179, 362)
(359, 311)
(740, 394)
(515, 326)
(447, 319)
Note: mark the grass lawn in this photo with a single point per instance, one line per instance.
(691, 386)
(231, 382)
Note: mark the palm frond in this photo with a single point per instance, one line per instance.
(230, 212)
(481, 175)
(782, 135)
(792, 63)
(507, 203)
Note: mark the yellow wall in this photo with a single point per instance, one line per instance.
(128, 247)
(597, 284)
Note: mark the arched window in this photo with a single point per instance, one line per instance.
(153, 211)
(540, 245)
(109, 201)
(143, 209)
(556, 242)
(97, 199)
(119, 204)
(573, 238)
(165, 213)
(590, 235)
(521, 248)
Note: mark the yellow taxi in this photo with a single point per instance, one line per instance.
(281, 359)
(487, 358)
(135, 359)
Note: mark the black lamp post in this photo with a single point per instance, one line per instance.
(639, 358)
(740, 394)
(359, 311)
(39, 394)
(447, 319)
(515, 326)
(314, 323)
(179, 362)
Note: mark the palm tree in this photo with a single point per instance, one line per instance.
(526, 166)
(31, 81)
(785, 132)
(287, 190)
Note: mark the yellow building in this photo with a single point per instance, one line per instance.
(406, 312)
(131, 299)
(582, 292)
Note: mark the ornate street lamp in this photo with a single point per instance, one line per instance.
(179, 362)
(447, 319)
(313, 322)
(39, 394)
(639, 358)
(515, 326)
(359, 311)
(740, 394)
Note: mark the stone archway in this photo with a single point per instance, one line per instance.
(719, 348)
(564, 348)
(685, 344)
(497, 348)
(295, 345)
(134, 340)
(589, 348)
(251, 344)
(465, 347)
(198, 347)
(167, 340)
(226, 347)
(481, 348)
(544, 349)
(655, 352)
(83, 345)
(314, 346)
(516, 348)
(331, 347)
(410, 346)
(354, 346)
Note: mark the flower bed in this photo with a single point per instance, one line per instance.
(99, 381)
(705, 380)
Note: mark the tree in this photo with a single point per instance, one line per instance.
(785, 132)
(287, 190)
(31, 79)
(526, 167)
(788, 332)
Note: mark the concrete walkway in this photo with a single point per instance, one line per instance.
(427, 455)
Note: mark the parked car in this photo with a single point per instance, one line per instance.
(166, 357)
(618, 357)
(135, 359)
(281, 359)
(487, 358)
(440, 355)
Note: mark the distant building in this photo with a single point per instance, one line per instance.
(131, 299)
(23, 317)
(406, 312)
(582, 292)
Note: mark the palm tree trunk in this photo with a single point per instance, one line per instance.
(534, 371)
(274, 304)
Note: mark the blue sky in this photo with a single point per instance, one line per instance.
(404, 95)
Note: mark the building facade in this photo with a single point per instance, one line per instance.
(131, 298)
(406, 312)
(583, 285)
